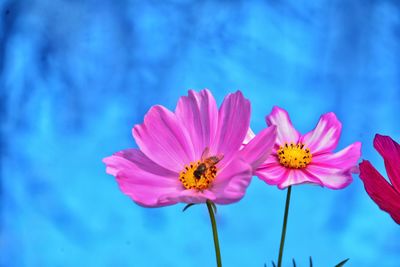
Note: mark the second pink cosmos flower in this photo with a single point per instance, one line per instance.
(385, 194)
(193, 154)
(298, 159)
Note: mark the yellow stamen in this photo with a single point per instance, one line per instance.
(188, 176)
(294, 156)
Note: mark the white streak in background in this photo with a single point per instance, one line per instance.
(75, 76)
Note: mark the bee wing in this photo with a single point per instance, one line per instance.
(215, 159)
(205, 153)
(220, 156)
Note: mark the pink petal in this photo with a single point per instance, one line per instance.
(141, 179)
(345, 159)
(164, 140)
(233, 124)
(390, 151)
(249, 135)
(325, 136)
(260, 147)
(199, 113)
(286, 133)
(231, 182)
(272, 172)
(380, 190)
(328, 176)
(296, 177)
(124, 159)
(189, 196)
(147, 189)
(116, 163)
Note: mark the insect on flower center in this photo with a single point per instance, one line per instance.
(197, 175)
(294, 156)
(200, 174)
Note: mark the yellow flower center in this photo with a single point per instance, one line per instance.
(294, 156)
(198, 175)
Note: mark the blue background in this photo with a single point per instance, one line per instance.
(77, 75)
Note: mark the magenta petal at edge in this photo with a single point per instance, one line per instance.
(191, 154)
(309, 158)
(386, 195)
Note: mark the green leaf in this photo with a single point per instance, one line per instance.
(188, 206)
(294, 263)
(340, 264)
(311, 265)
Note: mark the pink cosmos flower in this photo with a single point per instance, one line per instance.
(193, 154)
(386, 195)
(298, 159)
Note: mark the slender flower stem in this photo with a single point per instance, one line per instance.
(215, 232)
(285, 218)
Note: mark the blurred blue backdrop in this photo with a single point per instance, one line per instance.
(77, 75)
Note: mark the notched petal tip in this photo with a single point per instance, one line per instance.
(277, 109)
(239, 92)
(196, 94)
(238, 96)
(275, 113)
(330, 115)
(286, 132)
(162, 138)
(233, 124)
(325, 136)
(198, 114)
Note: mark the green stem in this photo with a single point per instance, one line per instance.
(215, 233)
(285, 218)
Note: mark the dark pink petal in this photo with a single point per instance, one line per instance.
(273, 172)
(164, 140)
(286, 133)
(233, 124)
(328, 176)
(380, 190)
(390, 151)
(345, 159)
(199, 113)
(260, 147)
(231, 182)
(325, 136)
